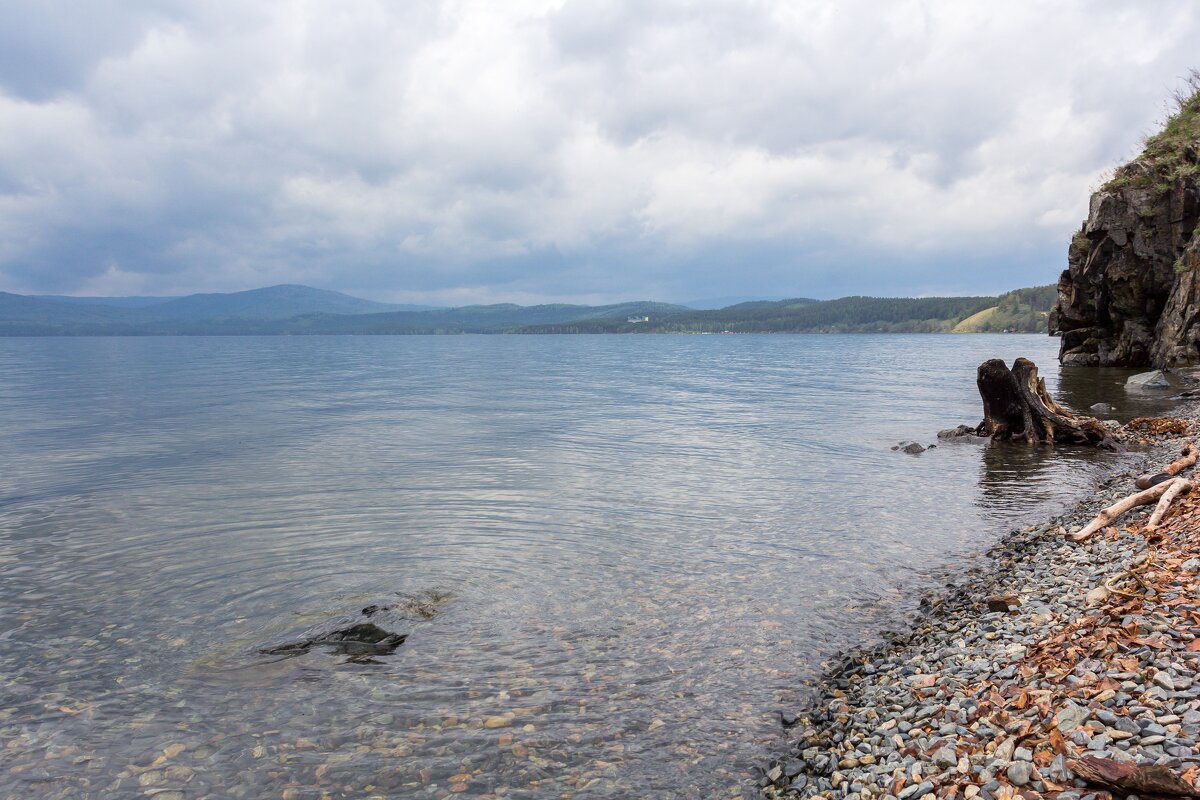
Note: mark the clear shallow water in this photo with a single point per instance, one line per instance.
(648, 542)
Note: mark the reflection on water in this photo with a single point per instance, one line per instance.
(1013, 472)
(643, 545)
(1079, 388)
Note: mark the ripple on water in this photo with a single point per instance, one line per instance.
(649, 540)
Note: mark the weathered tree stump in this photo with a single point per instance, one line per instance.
(1125, 778)
(1016, 405)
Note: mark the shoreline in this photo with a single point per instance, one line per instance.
(998, 704)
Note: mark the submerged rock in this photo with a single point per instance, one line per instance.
(375, 630)
(361, 639)
(912, 448)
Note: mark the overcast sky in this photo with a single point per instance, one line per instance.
(531, 150)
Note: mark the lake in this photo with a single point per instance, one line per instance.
(616, 558)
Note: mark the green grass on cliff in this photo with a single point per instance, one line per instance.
(1174, 152)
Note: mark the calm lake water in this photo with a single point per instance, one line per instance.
(618, 556)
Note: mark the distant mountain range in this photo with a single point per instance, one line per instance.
(284, 309)
(139, 301)
(296, 310)
(272, 302)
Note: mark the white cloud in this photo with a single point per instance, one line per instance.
(476, 150)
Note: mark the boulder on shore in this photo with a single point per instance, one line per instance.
(1155, 379)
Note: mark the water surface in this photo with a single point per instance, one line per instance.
(638, 546)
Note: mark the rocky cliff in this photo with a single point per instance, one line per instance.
(1131, 293)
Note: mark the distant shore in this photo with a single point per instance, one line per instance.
(201, 334)
(978, 703)
(300, 310)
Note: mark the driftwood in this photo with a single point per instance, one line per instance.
(1188, 459)
(1151, 781)
(1164, 491)
(1110, 514)
(1177, 487)
(1140, 567)
(1016, 405)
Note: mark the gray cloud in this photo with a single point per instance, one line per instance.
(474, 151)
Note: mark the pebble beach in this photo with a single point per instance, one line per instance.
(1045, 653)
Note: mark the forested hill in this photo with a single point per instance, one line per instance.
(1022, 310)
(290, 310)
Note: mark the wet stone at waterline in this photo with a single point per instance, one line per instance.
(912, 448)
(1057, 669)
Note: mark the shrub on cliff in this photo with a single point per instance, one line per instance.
(1173, 152)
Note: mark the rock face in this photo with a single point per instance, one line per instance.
(1131, 293)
